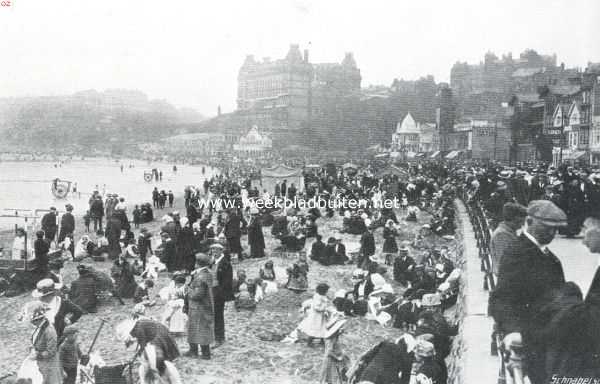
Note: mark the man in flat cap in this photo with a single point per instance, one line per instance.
(201, 317)
(528, 275)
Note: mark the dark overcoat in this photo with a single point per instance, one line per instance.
(201, 317)
(256, 239)
(527, 281)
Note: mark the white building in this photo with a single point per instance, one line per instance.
(253, 143)
(413, 137)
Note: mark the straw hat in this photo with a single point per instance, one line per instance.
(39, 311)
(334, 326)
(424, 348)
(431, 300)
(44, 288)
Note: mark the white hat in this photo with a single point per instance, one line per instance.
(431, 300)
(377, 280)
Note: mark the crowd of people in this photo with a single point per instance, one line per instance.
(407, 283)
(544, 325)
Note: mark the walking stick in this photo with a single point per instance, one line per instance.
(102, 321)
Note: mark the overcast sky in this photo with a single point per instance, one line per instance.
(189, 52)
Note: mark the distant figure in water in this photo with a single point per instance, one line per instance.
(121, 168)
(174, 169)
(160, 175)
(203, 170)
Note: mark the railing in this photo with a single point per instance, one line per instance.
(511, 366)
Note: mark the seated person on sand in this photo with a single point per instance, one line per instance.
(244, 299)
(122, 274)
(317, 250)
(295, 239)
(82, 248)
(311, 227)
(411, 213)
(298, 276)
(267, 275)
(101, 244)
(344, 302)
(142, 293)
(380, 300)
(83, 290)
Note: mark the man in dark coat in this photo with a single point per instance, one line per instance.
(83, 290)
(284, 188)
(404, 266)
(97, 212)
(367, 248)
(233, 233)
(528, 276)
(574, 334)
(317, 250)
(200, 309)
(49, 224)
(222, 292)
(67, 223)
(256, 239)
(537, 189)
(41, 247)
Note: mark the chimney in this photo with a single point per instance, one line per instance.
(306, 55)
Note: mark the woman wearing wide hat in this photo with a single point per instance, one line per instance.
(45, 345)
(61, 312)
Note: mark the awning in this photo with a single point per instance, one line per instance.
(422, 154)
(394, 154)
(382, 155)
(452, 155)
(411, 155)
(434, 154)
(576, 155)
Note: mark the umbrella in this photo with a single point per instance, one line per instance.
(349, 165)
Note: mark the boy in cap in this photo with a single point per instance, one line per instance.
(70, 354)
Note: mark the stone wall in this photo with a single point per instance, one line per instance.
(455, 360)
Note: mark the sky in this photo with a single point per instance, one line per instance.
(189, 52)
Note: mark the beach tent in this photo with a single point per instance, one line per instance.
(392, 170)
(278, 173)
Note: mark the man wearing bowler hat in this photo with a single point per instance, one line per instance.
(528, 275)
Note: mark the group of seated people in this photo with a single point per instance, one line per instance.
(332, 253)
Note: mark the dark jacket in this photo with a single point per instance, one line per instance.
(83, 292)
(67, 223)
(67, 308)
(41, 249)
(384, 363)
(317, 251)
(224, 288)
(97, 208)
(527, 280)
(401, 266)
(367, 244)
(49, 223)
(255, 234)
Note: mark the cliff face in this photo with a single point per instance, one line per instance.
(88, 118)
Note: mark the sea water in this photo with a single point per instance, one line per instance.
(27, 186)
